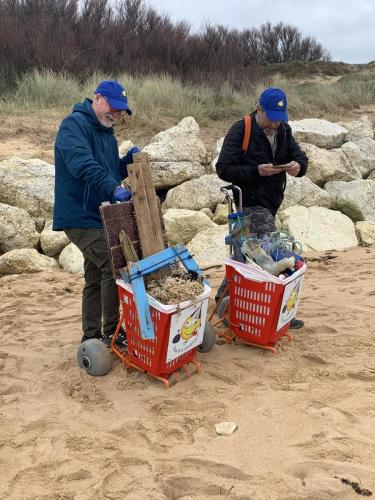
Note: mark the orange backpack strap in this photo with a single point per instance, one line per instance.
(246, 137)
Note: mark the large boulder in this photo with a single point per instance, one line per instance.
(179, 143)
(221, 214)
(321, 133)
(124, 147)
(302, 191)
(25, 260)
(208, 247)
(216, 153)
(361, 154)
(365, 231)
(330, 165)
(28, 184)
(182, 225)
(71, 259)
(356, 199)
(17, 229)
(167, 174)
(319, 228)
(52, 242)
(358, 129)
(196, 194)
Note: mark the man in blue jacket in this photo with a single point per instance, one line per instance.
(88, 171)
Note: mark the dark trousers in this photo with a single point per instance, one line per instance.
(100, 303)
(261, 222)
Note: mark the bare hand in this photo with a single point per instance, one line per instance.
(266, 169)
(293, 168)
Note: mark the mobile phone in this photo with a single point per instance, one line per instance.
(281, 166)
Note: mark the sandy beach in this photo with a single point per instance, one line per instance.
(305, 416)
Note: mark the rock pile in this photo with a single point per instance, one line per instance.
(332, 208)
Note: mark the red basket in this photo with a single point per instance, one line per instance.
(150, 355)
(254, 309)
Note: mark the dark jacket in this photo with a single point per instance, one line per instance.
(242, 169)
(87, 169)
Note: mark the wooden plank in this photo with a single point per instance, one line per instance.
(147, 208)
(145, 205)
(117, 217)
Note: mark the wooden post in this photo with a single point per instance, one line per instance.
(146, 207)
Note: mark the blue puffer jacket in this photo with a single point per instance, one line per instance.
(87, 169)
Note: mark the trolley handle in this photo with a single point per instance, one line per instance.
(233, 187)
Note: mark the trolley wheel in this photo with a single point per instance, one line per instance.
(222, 309)
(94, 357)
(209, 338)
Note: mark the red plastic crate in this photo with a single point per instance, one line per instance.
(254, 308)
(150, 355)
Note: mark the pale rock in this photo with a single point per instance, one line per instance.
(319, 132)
(208, 212)
(358, 129)
(330, 165)
(71, 259)
(221, 214)
(169, 174)
(196, 194)
(208, 247)
(216, 153)
(52, 242)
(39, 223)
(25, 260)
(17, 229)
(302, 191)
(356, 199)
(225, 428)
(371, 176)
(182, 225)
(361, 154)
(124, 147)
(179, 143)
(28, 184)
(319, 228)
(365, 232)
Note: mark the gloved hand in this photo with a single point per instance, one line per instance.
(128, 158)
(121, 194)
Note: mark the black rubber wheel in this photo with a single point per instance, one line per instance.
(223, 309)
(209, 338)
(94, 357)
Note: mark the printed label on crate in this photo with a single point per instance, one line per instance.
(187, 329)
(289, 304)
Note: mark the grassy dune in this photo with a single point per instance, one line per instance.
(38, 102)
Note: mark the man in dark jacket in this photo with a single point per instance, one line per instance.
(256, 170)
(88, 171)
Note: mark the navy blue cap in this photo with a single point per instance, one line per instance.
(273, 102)
(115, 93)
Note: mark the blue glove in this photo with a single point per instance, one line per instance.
(128, 158)
(121, 194)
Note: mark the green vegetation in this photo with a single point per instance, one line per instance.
(155, 97)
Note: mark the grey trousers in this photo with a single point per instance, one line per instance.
(100, 303)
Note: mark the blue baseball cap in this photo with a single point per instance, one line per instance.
(115, 93)
(273, 102)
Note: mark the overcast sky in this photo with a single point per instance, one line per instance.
(345, 28)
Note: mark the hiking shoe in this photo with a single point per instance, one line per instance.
(295, 324)
(121, 340)
(96, 336)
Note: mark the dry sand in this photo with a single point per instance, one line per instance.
(304, 416)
